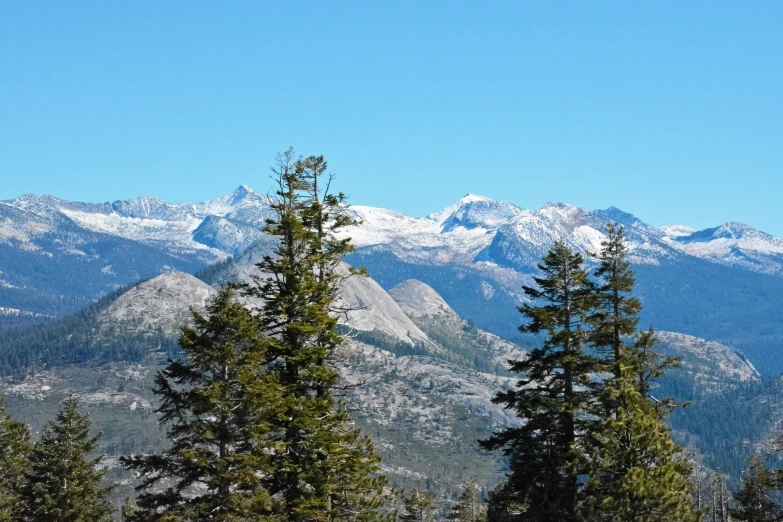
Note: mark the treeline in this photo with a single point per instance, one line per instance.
(211, 273)
(77, 339)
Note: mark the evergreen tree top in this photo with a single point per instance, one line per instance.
(63, 483)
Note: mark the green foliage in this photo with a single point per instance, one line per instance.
(63, 482)
(211, 274)
(552, 395)
(636, 472)
(723, 426)
(15, 449)
(590, 447)
(322, 468)
(753, 501)
(218, 403)
(76, 339)
(417, 506)
(617, 311)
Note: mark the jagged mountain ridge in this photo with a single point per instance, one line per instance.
(226, 225)
(51, 266)
(229, 224)
(477, 253)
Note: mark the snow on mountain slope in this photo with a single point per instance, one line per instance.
(226, 235)
(733, 244)
(162, 302)
(474, 211)
(677, 230)
(455, 234)
(51, 265)
(474, 231)
(521, 243)
(150, 220)
(478, 231)
(20, 227)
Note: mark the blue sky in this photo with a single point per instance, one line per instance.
(670, 110)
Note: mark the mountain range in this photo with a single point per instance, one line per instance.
(720, 284)
(92, 297)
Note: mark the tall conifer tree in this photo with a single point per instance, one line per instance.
(219, 402)
(15, 448)
(63, 482)
(324, 469)
(552, 396)
(617, 310)
(636, 473)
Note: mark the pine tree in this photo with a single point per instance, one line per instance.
(417, 507)
(552, 395)
(753, 501)
(636, 472)
(468, 507)
(324, 468)
(63, 483)
(617, 316)
(15, 449)
(219, 402)
(618, 310)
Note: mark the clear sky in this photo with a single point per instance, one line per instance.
(670, 110)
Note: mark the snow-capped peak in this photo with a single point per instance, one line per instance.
(561, 212)
(472, 198)
(730, 242)
(240, 193)
(730, 231)
(473, 211)
(677, 230)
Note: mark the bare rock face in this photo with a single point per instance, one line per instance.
(417, 299)
(363, 304)
(370, 308)
(160, 303)
(710, 364)
(453, 334)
